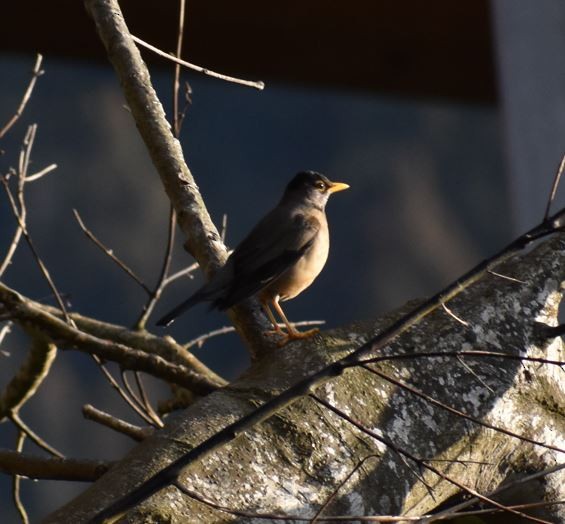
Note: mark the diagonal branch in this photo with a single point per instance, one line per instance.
(305, 386)
(65, 335)
(36, 73)
(249, 83)
(203, 240)
(58, 468)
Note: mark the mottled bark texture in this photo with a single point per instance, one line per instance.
(293, 462)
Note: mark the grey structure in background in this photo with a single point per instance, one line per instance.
(530, 47)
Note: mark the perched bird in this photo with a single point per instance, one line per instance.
(279, 259)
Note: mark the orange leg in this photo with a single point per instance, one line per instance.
(276, 328)
(292, 332)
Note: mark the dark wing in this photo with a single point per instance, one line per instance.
(274, 245)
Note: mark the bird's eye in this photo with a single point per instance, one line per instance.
(320, 186)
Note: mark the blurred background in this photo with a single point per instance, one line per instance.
(447, 120)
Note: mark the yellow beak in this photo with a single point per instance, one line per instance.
(337, 186)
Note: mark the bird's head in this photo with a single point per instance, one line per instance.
(312, 188)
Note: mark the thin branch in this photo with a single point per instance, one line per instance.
(455, 510)
(36, 73)
(6, 328)
(202, 238)
(506, 277)
(452, 314)
(224, 229)
(16, 482)
(458, 354)
(162, 280)
(187, 271)
(471, 370)
(54, 468)
(145, 400)
(457, 412)
(30, 375)
(17, 214)
(350, 518)
(554, 187)
(13, 244)
(121, 426)
(201, 339)
(421, 462)
(286, 517)
(34, 437)
(154, 419)
(337, 489)
(165, 347)
(176, 80)
(249, 83)
(41, 173)
(131, 402)
(130, 358)
(109, 252)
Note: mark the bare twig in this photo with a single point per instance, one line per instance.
(459, 413)
(185, 272)
(145, 400)
(121, 426)
(478, 354)
(506, 277)
(55, 468)
(455, 510)
(142, 402)
(176, 81)
(34, 437)
(249, 83)
(6, 328)
(328, 501)
(41, 173)
(452, 314)
(67, 336)
(131, 402)
(290, 518)
(470, 370)
(16, 482)
(554, 187)
(164, 347)
(352, 518)
(29, 376)
(224, 229)
(36, 73)
(28, 145)
(420, 462)
(200, 340)
(162, 281)
(109, 252)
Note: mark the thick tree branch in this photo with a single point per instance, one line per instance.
(203, 241)
(53, 468)
(305, 445)
(135, 432)
(64, 335)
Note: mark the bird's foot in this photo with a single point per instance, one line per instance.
(275, 332)
(297, 335)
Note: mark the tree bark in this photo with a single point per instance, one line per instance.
(294, 461)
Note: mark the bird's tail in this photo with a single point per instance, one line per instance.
(170, 317)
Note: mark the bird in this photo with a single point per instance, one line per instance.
(281, 256)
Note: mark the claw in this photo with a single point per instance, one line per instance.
(297, 335)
